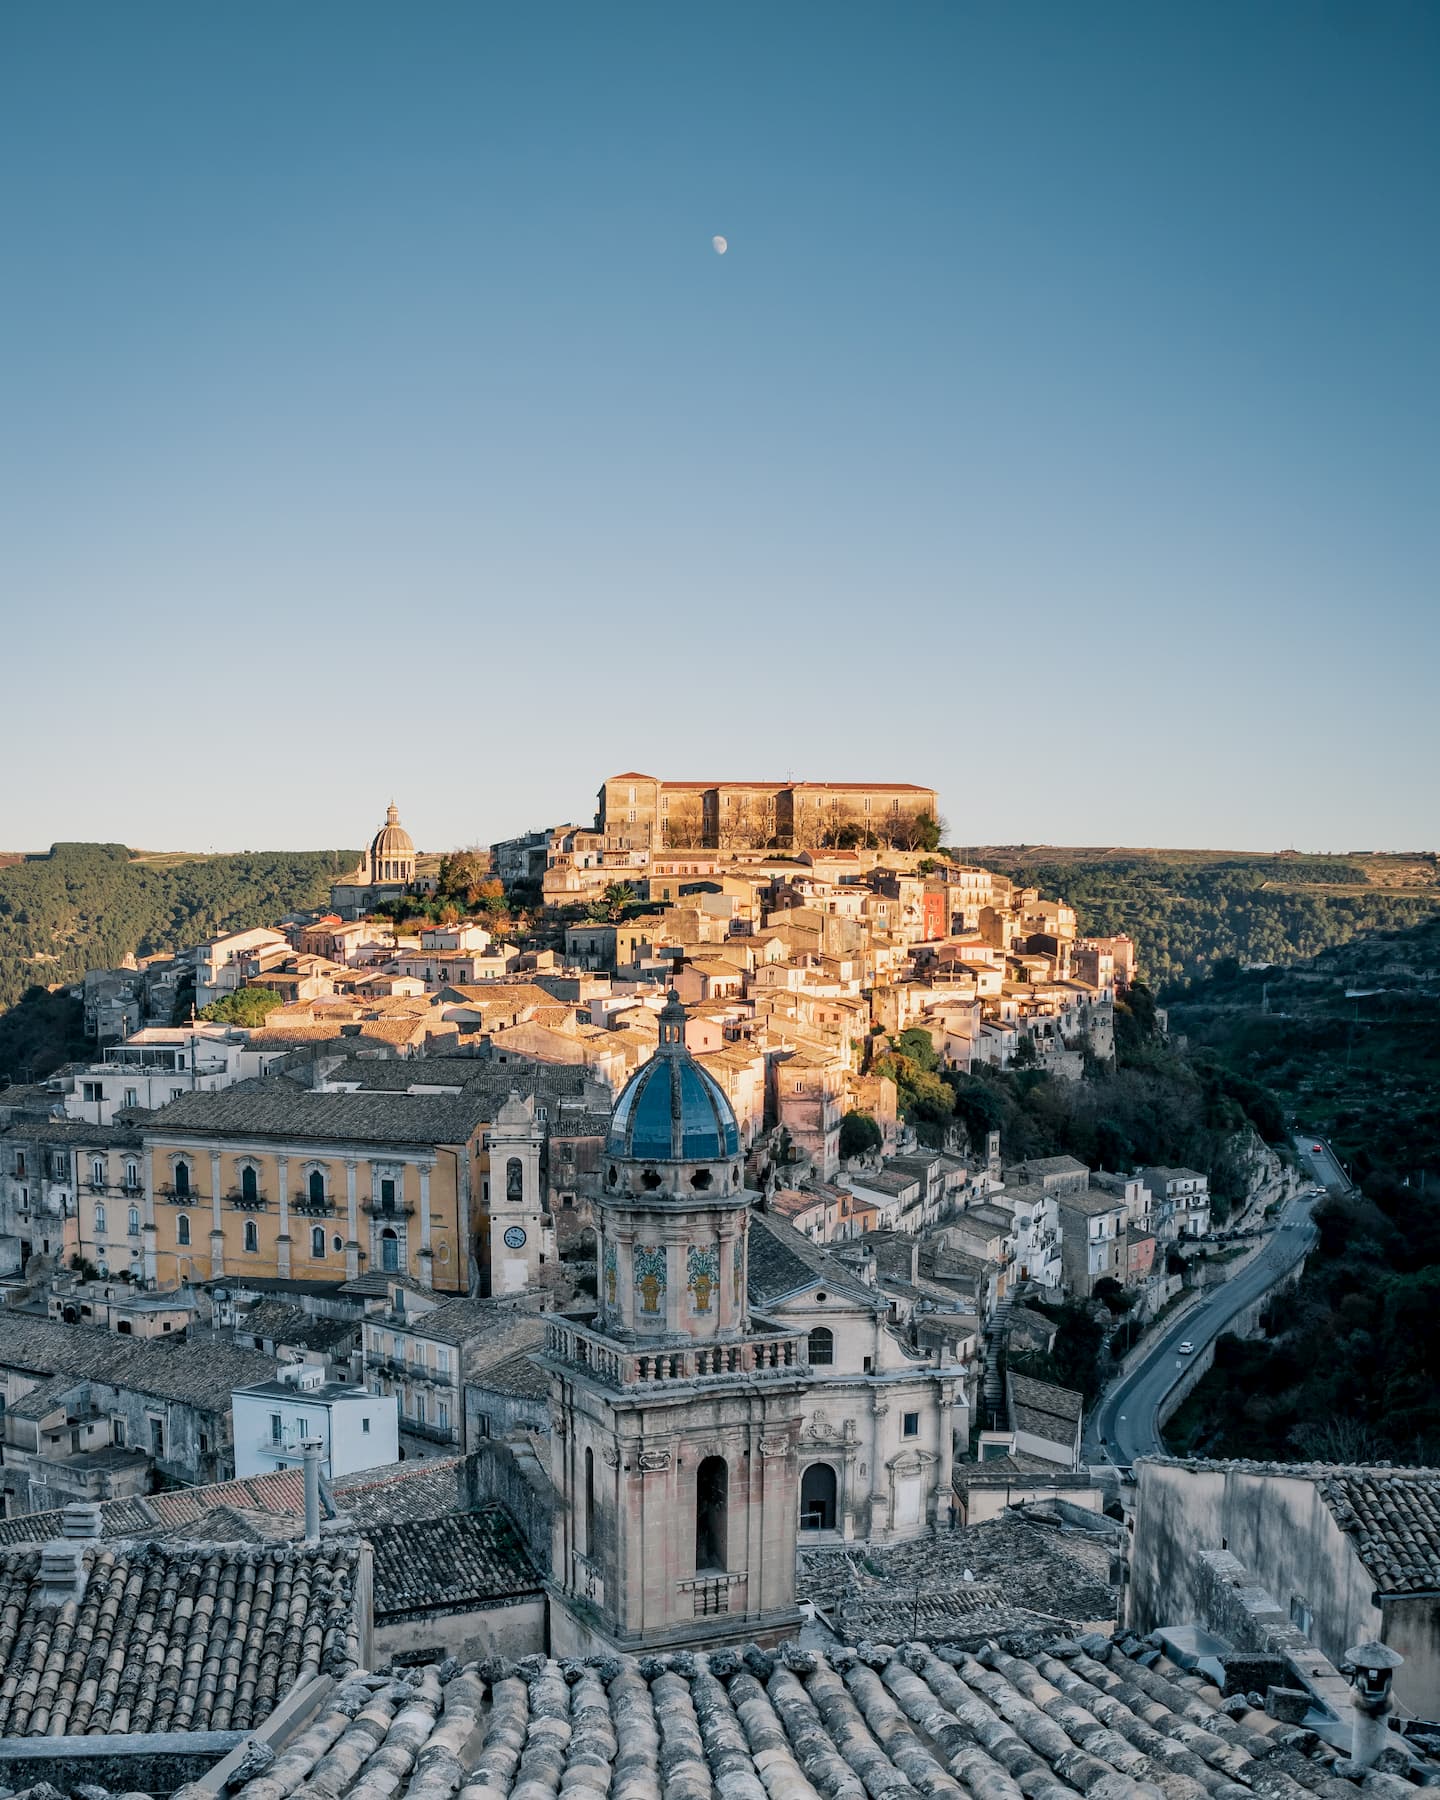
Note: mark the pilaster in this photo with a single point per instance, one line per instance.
(282, 1241)
(352, 1230)
(427, 1258)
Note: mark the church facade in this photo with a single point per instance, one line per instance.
(676, 1414)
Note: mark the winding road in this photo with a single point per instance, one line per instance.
(1124, 1425)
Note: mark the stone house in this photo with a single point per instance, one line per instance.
(1092, 1239)
(81, 1404)
(429, 1352)
(1340, 1554)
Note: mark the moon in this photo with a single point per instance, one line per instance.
(721, 244)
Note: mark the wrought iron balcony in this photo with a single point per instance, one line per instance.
(394, 1209)
(240, 1203)
(305, 1204)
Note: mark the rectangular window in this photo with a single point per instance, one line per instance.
(131, 1096)
(92, 1092)
(365, 1427)
(442, 1416)
(442, 1360)
(910, 1424)
(277, 1428)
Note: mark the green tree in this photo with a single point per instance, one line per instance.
(859, 1134)
(612, 905)
(246, 1006)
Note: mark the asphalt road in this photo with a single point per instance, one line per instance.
(1322, 1163)
(1123, 1426)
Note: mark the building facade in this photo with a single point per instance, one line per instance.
(356, 1429)
(267, 1179)
(642, 812)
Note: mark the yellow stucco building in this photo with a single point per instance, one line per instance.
(267, 1178)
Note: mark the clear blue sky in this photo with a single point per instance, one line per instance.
(1060, 429)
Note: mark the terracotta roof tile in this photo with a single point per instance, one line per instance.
(171, 1637)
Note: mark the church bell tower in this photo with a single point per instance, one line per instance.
(675, 1414)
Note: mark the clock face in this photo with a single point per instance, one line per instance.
(515, 1238)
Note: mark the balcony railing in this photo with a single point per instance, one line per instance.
(246, 1203)
(752, 1359)
(394, 1209)
(173, 1196)
(439, 1434)
(400, 1369)
(306, 1204)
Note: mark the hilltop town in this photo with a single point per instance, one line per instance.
(550, 1252)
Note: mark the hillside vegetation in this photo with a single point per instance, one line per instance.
(85, 906)
(1349, 1041)
(1189, 909)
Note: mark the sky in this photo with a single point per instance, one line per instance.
(1059, 430)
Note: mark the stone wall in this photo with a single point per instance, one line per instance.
(497, 1472)
(512, 1630)
(1246, 1552)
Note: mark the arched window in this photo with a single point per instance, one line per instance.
(389, 1251)
(822, 1345)
(317, 1240)
(252, 1236)
(182, 1229)
(712, 1505)
(317, 1187)
(589, 1502)
(99, 1219)
(817, 1498)
(132, 1220)
(514, 1179)
(132, 1175)
(249, 1183)
(182, 1177)
(97, 1171)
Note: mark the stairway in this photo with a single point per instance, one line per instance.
(993, 1390)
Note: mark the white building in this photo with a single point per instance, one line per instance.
(218, 969)
(160, 1064)
(355, 1428)
(1037, 1232)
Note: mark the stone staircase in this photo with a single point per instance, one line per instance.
(992, 1392)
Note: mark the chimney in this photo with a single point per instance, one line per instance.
(311, 1448)
(1371, 1668)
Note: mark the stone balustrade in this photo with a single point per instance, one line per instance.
(751, 1358)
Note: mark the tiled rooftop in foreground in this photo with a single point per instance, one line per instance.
(1034, 1717)
(170, 1637)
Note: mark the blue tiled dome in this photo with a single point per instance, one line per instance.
(671, 1110)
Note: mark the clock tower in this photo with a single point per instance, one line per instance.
(518, 1232)
(675, 1415)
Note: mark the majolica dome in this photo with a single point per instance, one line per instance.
(392, 843)
(670, 1110)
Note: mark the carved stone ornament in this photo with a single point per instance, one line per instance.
(652, 1461)
(777, 1446)
(610, 1456)
(819, 1426)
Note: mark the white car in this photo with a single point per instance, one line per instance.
(1187, 1348)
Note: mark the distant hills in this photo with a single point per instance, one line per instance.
(89, 905)
(1191, 909)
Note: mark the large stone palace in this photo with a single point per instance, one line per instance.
(641, 812)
